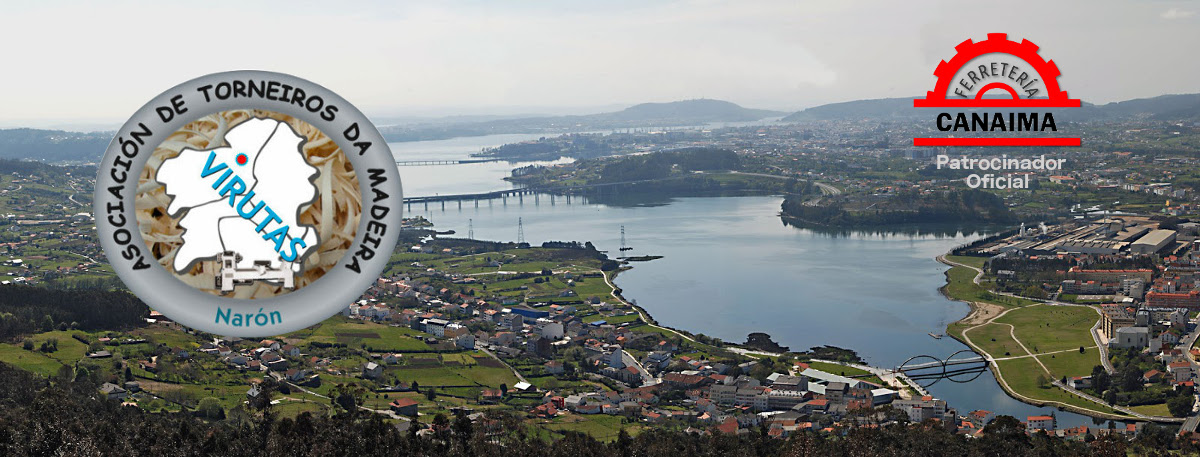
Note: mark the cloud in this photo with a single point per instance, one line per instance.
(1176, 13)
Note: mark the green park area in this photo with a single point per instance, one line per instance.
(1055, 335)
(995, 339)
(1047, 328)
(1023, 376)
(961, 285)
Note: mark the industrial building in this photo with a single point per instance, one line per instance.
(1153, 242)
(1111, 236)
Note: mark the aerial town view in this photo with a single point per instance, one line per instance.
(644, 270)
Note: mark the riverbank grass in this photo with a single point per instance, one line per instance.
(976, 262)
(961, 286)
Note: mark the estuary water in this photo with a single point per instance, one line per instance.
(731, 267)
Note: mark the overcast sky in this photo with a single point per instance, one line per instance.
(72, 62)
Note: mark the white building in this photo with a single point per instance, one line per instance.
(616, 358)
(465, 341)
(550, 329)
(1035, 423)
(1131, 337)
(435, 327)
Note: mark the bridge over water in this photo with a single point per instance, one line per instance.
(562, 191)
(553, 192)
(947, 363)
(489, 197)
(959, 370)
(415, 163)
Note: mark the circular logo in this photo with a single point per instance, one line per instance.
(248, 203)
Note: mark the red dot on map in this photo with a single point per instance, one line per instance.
(241, 159)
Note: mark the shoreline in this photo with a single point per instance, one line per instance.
(617, 292)
(739, 349)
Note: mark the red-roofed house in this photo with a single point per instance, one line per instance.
(981, 417)
(404, 406)
(1182, 370)
(545, 410)
(1152, 376)
(729, 427)
(1035, 423)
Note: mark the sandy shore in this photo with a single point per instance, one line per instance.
(981, 313)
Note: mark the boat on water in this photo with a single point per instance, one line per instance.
(936, 335)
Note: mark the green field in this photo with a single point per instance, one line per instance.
(1042, 329)
(171, 338)
(599, 426)
(996, 340)
(961, 286)
(354, 333)
(1154, 410)
(1047, 328)
(1071, 363)
(708, 351)
(69, 350)
(289, 408)
(467, 375)
(615, 320)
(29, 360)
(1022, 374)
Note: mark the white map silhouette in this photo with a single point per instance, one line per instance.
(274, 174)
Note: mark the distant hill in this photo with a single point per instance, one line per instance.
(63, 146)
(890, 108)
(53, 145)
(698, 111)
(1162, 107)
(671, 114)
(1185, 107)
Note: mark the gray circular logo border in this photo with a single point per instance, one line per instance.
(374, 241)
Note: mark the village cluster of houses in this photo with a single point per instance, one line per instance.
(506, 327)
(1158, 324)
(272, 357)
(809, 399)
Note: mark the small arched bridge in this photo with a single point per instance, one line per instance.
(961, 367)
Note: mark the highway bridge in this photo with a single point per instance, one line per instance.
(531, 190)
(415, 163)
(562, 191)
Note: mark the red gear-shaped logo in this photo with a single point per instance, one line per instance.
(1047, 71)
